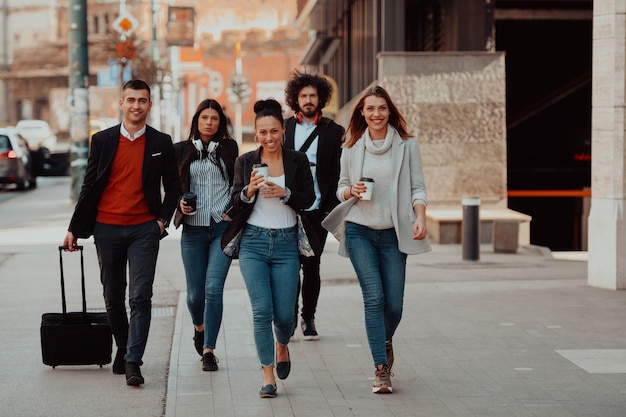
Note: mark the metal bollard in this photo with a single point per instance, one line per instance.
(470, 237)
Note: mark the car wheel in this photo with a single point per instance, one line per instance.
(21, 184)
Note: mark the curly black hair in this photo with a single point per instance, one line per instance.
(300, 80)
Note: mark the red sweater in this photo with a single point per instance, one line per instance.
(122, 202)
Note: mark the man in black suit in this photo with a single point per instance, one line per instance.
(120, 203)
(321, 139)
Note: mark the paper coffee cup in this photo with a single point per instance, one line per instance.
(261, 169)
(192, 201)
(369, 183)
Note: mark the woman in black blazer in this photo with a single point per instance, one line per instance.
(268, 252)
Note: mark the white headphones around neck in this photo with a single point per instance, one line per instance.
(212, 146)
(199, 145)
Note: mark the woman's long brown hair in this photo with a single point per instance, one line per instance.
(357, 125)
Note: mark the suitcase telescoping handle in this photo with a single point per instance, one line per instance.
(82, 278)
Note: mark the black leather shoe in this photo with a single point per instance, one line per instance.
(268, 391)
(119, 364)
(309, 331)
(133, 374)
(283, 368)
(198, 341)
(209, 362)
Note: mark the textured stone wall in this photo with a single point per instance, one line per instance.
(455, 104)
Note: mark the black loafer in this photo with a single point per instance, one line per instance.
(133, 374)
(283, 368)
(268, 391)
(119, 364)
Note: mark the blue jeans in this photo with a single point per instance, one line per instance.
(137, 247)
(206, 268)
(381, 270)
(269, 262)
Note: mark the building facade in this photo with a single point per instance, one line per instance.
(265, 61)
(554, 113)
(35, 50)
(530, 120)
(34, 57)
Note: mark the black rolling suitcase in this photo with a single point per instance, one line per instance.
(75, 338)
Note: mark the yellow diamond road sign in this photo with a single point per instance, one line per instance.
(125, 24)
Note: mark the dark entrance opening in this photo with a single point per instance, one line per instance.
(548, 83)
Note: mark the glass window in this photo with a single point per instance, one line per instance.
(5, 144)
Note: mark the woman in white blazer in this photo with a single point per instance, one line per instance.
(377, 234)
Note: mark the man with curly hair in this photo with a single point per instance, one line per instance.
(321, 139)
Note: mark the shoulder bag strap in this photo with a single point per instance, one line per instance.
(309, 140)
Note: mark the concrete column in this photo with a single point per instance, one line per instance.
(607, 226)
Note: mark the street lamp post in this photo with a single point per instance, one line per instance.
(156, 90)
(4, 60)
(79, 94)
(238, 93)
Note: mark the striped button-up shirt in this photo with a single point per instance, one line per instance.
(213, 191)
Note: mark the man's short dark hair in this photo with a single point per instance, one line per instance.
(136, 85)
(300, 80)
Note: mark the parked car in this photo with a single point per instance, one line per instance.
(16, 160)
(37, 133)
(51, 154)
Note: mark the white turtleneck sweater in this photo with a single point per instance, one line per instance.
(377, 162)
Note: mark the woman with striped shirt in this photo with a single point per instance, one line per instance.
(206, 167)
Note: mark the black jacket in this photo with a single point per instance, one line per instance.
(298, 179)
(159, 167)
(328, 156)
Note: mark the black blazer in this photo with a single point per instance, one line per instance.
(328, 156)
(298, 179)
(159, 167)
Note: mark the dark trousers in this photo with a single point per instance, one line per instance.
(136, 246)
(310, 285)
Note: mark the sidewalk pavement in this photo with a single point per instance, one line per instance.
(512, 335)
